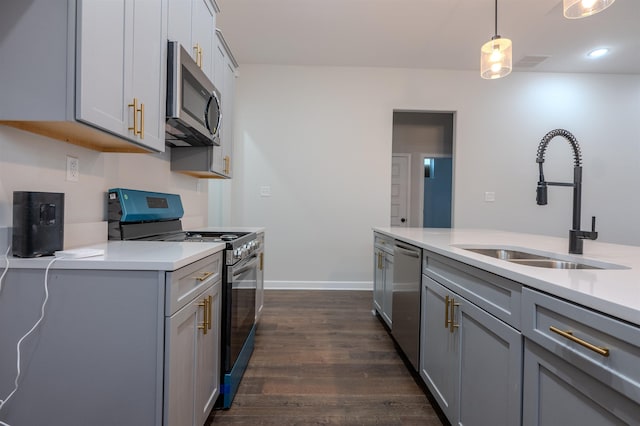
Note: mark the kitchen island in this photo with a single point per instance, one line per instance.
(503, 342)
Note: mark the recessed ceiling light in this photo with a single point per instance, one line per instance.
(596, 53)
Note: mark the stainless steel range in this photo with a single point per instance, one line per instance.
(152, 216)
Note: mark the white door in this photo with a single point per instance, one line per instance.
(400, 168)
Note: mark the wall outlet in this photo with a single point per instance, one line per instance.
(73, 169)
(489, 197)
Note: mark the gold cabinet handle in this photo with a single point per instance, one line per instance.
(205, 324)
(210, 300)
(227, 164)
(134, 105)
(203, 276)
(141, 111)
(197, 49)
(446, 311)
(569, 335)
(452, 324)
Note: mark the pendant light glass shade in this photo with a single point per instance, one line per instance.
(495, 55)
(495, 58)
(574, 9)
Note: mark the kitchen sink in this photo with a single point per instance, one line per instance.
(526, 258)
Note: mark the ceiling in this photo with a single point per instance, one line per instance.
(432, 34)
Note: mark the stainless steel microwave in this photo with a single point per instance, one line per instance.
(193, 103)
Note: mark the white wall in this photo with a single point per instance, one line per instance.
(320, 138)
(31, 162)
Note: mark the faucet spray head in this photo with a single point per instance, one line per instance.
(541, 190)
(541, 193)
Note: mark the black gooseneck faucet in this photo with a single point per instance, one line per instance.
(575, 234)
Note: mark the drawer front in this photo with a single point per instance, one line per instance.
(497, 295)
(383, 243)
(185, 283)
(603, 347)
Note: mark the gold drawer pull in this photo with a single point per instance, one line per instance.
(203, 276)
(569, 335)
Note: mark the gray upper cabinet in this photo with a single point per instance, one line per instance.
(98, 81)
(192, 23)
(120, 89)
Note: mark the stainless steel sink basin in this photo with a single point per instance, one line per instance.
(539, 260)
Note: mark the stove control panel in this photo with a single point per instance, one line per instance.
(244, 251)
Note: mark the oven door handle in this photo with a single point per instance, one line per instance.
(248, 266)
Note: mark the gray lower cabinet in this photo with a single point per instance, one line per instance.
(115, 347)
(383, 277)
(580, 367)
(470, 360)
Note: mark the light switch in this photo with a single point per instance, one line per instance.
(265, 191)
(489, 197)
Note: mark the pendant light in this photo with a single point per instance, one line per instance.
(495, 55)
(574, 9)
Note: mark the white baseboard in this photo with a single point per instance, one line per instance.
(319, 285)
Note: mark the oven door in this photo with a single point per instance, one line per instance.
(240, 315)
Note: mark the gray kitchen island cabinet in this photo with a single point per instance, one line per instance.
(115, 347)
(470, 360)
(580, 367)
(383, 277)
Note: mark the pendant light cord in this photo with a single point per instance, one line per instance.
(496, 21)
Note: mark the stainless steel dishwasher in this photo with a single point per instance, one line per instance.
(406, 300)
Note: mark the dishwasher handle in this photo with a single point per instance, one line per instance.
(409, 251)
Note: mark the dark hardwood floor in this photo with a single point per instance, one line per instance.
(321, 357)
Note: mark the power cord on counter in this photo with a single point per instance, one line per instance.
(35, 326)
(6, 260)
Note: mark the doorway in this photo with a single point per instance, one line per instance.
(426, 140)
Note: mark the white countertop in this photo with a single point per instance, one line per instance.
(128, 255)
(615, 292)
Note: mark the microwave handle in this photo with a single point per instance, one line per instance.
(213, 98)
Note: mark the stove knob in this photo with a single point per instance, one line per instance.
(237, 253)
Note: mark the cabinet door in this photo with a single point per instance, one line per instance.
(207, 356)
(148, 65)
(387, 307)
(558, 393)
(439, 348)
(121, 53)
(490, 368)
(378, 280)
(202, 34)
(179, 22)
(181, 347)
(224, 80)
(101, 61)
